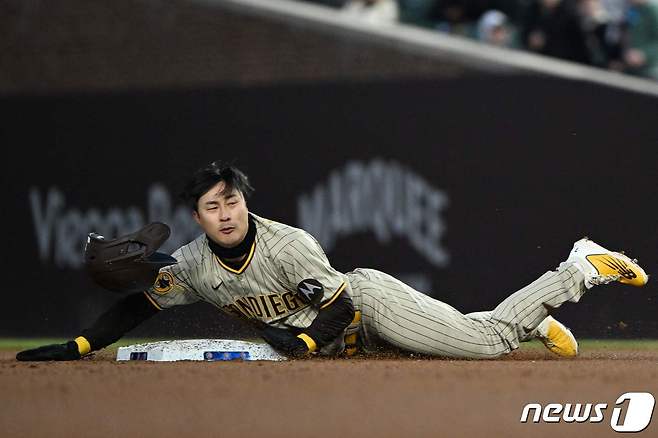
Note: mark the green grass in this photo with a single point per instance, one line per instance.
(25, 343)
(16, 344)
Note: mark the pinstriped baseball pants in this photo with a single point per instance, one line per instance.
(396, 314)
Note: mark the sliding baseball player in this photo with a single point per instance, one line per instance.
(279, 279)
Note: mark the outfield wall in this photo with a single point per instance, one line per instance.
(466, 200)
(466, 183)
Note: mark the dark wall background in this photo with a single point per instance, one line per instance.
(524, 178)
(529, 163)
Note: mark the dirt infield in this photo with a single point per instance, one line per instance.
(316, 398)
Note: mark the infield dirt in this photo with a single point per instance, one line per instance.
(383, 397)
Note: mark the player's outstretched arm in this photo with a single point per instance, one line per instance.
(307, 268)
(119, 319)
(66, 351)
(330, 323)
(282, 339)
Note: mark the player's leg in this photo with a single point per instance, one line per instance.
(524, 314)
(397, 314)
(552, 333)
(393, 313)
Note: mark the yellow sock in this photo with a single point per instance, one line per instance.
(84, 346)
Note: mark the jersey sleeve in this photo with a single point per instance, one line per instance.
(173, 285)
(303, 259)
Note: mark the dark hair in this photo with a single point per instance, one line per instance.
(205, 178)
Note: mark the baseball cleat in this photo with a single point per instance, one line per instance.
(602, 266)
(556, 337)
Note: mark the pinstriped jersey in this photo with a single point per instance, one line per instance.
(264, 287)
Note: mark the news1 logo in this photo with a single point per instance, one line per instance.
(637, 414)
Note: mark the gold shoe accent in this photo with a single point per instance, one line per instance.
(557, 338)
(619, 265)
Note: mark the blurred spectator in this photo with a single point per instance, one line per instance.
(417, 12)
(493, 28)
(615, 31)
(620, 35)
(458, 17)
(553, 28)
(373, 11)
(602, 27)
(641, 54)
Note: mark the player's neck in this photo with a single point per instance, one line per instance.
(238, 252)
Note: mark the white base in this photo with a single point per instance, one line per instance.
(199, 349)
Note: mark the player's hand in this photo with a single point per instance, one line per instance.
(283, 340)
(67, 351)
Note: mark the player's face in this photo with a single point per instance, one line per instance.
(223, 215)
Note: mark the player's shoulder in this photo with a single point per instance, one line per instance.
(266, 227)
(277, 235)
(192, 252)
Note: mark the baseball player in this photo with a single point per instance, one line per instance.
(278, 278)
